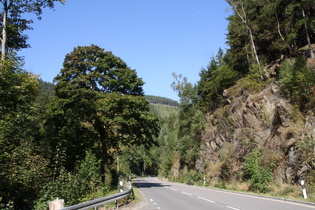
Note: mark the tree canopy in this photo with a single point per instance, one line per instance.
(99, 104)
(264, 31)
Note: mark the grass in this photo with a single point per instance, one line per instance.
(280, 190)
(134, 198)
(137, 195)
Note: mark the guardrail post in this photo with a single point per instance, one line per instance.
(116, 203)
(101, 201)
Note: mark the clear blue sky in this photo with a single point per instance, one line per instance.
(154, 37)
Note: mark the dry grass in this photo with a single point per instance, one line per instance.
(280, 190)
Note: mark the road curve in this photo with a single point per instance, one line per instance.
(172, 196)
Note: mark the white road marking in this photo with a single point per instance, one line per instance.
(206, 200)
(230, 207)
(186, 193)
(155, 203)
(151, 200)
(249, 196)
(173, 189)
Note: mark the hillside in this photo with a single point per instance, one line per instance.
(161, 100)
(261, 139)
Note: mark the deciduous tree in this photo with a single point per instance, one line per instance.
(99, 104)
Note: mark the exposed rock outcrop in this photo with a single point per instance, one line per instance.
(265, 121)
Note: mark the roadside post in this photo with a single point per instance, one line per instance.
(303, 189)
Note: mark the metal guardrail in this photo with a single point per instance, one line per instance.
(100, 201)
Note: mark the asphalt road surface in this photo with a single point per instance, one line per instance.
(173, 196)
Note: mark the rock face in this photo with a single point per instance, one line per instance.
(265, 122)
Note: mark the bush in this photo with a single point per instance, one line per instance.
(85, 184)
(252, 81)
(258, 174)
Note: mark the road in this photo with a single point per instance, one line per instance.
(172, 196)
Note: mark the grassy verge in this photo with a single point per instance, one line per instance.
(137, 195)
(280, 190)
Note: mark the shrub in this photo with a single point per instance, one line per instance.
(85, 184)
(258, 174)
(253, 82)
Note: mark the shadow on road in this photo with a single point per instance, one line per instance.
(144, 184)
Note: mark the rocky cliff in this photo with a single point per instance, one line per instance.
(263, 121)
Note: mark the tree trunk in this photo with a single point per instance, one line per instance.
(308, 36)
(244, 20)
(279, 30)
(104, 153)
(4, 30)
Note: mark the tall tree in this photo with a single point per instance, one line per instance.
(240, 10)
(13, 24)
(214, 79)
(190, 121)
(99, 103)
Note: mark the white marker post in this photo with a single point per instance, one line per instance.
(204, 181)
(121, 184)
(303, 189)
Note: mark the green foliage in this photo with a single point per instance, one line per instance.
(167, 140)
(99, 110)
(75, 187)
(252, 81)
(228, 155)
(46, 93)
(180, 135)
(187, 92)
(127, 120)
(21, 165)
(191, 177)
(213, 81)
(98, 104)
(163, 111)
(296, 81)
(307, 153)
(275, 28)
(259, 175)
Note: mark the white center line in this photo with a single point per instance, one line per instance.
(206, 200)
(173, 189)
(232, 208)
(186, 193)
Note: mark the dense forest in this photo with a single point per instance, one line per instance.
(247, 124)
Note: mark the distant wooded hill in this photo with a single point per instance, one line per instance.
(161, 100)
(47, 92)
